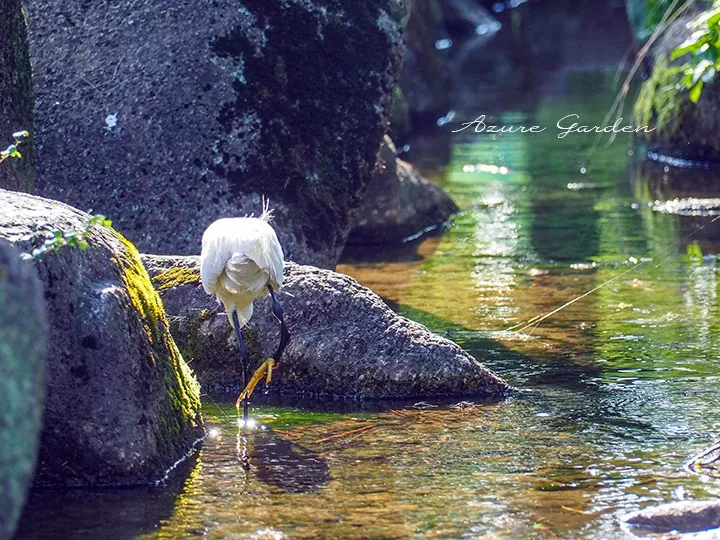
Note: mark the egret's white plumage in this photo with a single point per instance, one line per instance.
(239, 258)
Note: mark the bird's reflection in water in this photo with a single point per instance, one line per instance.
(280, 463)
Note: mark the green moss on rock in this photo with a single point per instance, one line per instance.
(182, 389)
(174, 276)
(681, 129)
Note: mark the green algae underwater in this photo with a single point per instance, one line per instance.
(617, 390)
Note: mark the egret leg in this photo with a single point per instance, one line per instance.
(278, 311)
(265, 369)
(244, 360)
(267, 366)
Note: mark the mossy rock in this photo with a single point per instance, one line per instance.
(681, 129)
(23, 338)
(199, 325)
(122, 405)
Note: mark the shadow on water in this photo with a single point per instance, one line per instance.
(104, 513)
(283, 464)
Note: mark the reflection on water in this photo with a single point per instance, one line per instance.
(619, 389)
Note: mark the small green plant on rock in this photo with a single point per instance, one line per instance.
(703, 46)
(47, 240)
(11, 151)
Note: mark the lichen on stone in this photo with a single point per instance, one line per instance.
(174, 276)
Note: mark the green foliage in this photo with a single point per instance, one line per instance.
(47, 240)
(658, 102)
(703, 48)
(656, 10)
(11, 151)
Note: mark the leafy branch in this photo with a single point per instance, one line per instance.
(47, 240)
(703, 46)
(11, 151)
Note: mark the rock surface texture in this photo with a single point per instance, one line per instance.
(121, 405)
(399, 203)
(16, 105)
(683, 517)
(346, 343)
(23, 337)
(167, 115)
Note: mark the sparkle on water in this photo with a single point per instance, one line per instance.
(619, 389)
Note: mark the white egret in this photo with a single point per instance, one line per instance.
(242, 260)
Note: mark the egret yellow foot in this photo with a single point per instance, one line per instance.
(264, 370)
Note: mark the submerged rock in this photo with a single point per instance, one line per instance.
(681, 129)
(187, 111)
(23, 336)
(399, 204)
(683, 517)
(426, 81)
(346, 342)
(122, 406)
(16, 101)
(466, 16)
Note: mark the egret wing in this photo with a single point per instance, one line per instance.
(211, 268)
(268, 255)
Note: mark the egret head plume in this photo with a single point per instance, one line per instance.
(267, 213)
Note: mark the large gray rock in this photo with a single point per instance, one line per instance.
(23, 336)
(683, 517)
(122, 406)
(16, 102)
(399, 204)
(346, 342)
(167, 115)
